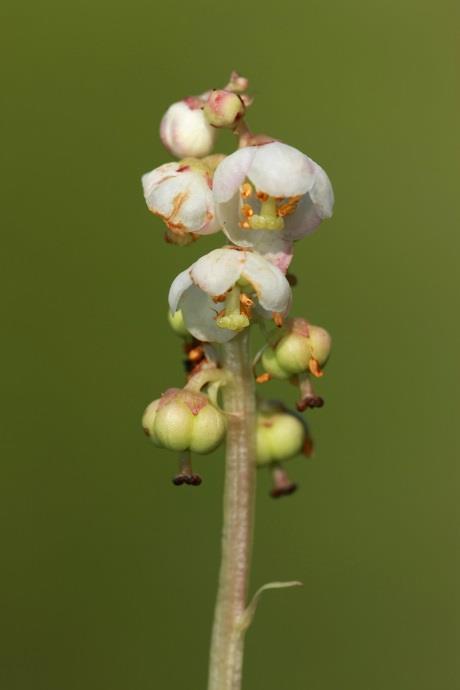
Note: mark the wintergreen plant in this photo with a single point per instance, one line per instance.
(264, 197)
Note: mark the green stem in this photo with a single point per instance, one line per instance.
(226, 657)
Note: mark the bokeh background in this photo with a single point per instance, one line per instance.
(108, 571)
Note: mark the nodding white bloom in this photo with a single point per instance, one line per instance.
(217, 293)
(184, 129)
(181, 194)
(270, 195)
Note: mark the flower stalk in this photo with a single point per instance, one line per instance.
(263, 197)
(226, 656)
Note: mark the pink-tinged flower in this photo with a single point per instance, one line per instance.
(270, 195)
(218, 292)
(185, 131)
(181, 194)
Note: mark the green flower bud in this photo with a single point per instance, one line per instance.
(270, 364)
(299, 347)
(184, 420)
(148, 420)
(176, 321)
(293, 353)
(281, 434)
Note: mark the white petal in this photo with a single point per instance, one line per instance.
(312, 209)
(229, 216)
(281, 170)
(151, 179)
(231, 173)
(218, 271)
(179, 285)
(182, 197)
(199, 313)
(270, 284)
(322, 193)
(185, 131)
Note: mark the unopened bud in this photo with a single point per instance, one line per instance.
(281, 434)
(184, 420)
(298, 348)
(185, 131)
(223, 109)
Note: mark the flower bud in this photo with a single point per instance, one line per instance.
(223, 108)
(281, 434)
(176, 321)
(184, 420)
(298, 348)
(185, 131)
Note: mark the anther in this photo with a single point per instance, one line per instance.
(195, 354)
(247, 210)
(263, 378)
(246, 190)
(246, 304)
(219, 298)
(262, 196)
(278, 319)
(289, 207)
(314, 367)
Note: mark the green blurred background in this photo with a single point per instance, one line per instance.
(108, 571)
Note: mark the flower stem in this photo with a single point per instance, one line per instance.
(226, 657)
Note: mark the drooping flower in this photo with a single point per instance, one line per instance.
(181, 194)
(185, 131)
(217, 293)
(184, 420)
(281, 434)
(270, 195)
(299, 347)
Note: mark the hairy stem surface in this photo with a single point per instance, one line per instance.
(226, 660)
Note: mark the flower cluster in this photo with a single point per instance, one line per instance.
(264, 197)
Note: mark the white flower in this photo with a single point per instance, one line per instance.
(216, 294)
(181, 194)
(270, 195)
(185, 131)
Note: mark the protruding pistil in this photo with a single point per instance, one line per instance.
(282, 485)
(186, 474)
